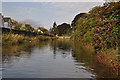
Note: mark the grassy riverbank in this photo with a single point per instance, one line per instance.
(98, 31)
(20, 39)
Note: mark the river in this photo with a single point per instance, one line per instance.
(51, 59)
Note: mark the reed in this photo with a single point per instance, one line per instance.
(20, 39)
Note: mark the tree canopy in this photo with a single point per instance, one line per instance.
(28, 27)
(63, 29)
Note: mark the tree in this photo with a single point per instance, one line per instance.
(28, 27)
(54, 30)
(63, 29)
(76, 18)
(54, 25)
(43, 30)
(17, 27)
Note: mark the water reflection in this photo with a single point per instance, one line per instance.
(60, 58)
(62, 46)
(91, 64)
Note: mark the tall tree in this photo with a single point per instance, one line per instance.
(54, 25)
(54, 30)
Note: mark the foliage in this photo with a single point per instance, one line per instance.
(20, 39)
(54, 30)
(17, 27)
(63, 29)
(44, 30)
(60, 30)
(27, 27)
(76, 18)
(100, 26)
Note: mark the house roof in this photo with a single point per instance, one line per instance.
(37, 29)
(12, 20)
(6, 19)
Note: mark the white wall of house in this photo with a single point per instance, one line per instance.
(13, 26)
(1, 21)
(8, 24)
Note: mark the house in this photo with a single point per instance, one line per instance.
(1, 21)
(38, 30)
(7, 22)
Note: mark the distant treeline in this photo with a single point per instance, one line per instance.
(61, 30)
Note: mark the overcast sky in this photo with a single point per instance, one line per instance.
(45, 13)
(53, 0)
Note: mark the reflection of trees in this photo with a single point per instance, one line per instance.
(103, 70)
(54, 50)
(60, 45)
(81, 55)
(9, 51)
(41, 44)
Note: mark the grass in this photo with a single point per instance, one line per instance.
(20, 39)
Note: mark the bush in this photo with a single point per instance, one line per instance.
(100, 27)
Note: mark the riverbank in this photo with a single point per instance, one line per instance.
(9, 38)
(108, 57)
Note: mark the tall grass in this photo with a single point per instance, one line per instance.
(19, 39)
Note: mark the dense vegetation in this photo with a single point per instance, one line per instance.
(100, 26)
(61, 30)
(12, 39)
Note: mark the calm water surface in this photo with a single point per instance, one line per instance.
(53, 59)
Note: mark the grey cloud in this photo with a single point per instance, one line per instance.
(34, 24)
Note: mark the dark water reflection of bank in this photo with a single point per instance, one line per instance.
(52, 59)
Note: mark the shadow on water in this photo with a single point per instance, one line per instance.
(65, 48)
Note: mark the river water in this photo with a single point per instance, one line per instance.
(51, 59)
